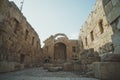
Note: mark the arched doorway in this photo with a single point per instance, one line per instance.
(60, 52)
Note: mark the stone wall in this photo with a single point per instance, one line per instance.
(107, 70)
(96, 31)
(18, 40)
(112, 12)
(101, 32)
(60, 48)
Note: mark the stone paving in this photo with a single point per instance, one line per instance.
(41, 74)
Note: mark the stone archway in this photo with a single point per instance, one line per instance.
(60, 52)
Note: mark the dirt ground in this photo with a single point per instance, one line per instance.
(41, 74)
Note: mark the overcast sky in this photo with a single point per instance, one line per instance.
(49, 17)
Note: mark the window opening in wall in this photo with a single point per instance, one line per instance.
(16, 25)
(82, 44)
(91, 35)
(86, 41)
(37, 44)
(74, 49)
(26, 34)
(101, 26)
(32, 40)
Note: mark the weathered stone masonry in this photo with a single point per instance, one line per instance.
(96, 31)
(101, 34)
(60, 49)
(19, 42)
(112, 12)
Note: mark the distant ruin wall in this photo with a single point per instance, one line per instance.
(60, 49)
(18, 40)
(96, 31)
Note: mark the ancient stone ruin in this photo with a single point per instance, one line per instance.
(101, 33)
(59, 49)
(19, 43)
(95, 54)
(59, 52)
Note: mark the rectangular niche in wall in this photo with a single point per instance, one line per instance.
(101, 26)
(92, 35)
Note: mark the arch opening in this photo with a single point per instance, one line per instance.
(59, 35)
(60, 52)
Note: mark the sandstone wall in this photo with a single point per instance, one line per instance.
(18, 40)
(112, 12)
(74, 49)
(101, 32)
(96, 31)
(69, 52)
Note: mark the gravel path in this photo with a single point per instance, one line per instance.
(41, 74)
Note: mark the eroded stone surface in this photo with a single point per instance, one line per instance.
(19, 42)
(96, 31)
(110, 57)
(41, 74)
(59, 49)
(113, 18)
(101, 33)
(107, 70)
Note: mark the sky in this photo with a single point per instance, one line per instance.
(49, 17)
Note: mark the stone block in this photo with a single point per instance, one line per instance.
(55, 69)
(68, 67)
(90, 74)
(92, 59)
(58, 65)
(108, 7)
(115, 2)
(47, 65)
(72, 67)
(116, 39)
(7, 66)
(118, 24)
(77, 67)
(107, 70)
(19, 66)
(110, 57)
(115, 11)
(117, 50)
(105, 2)
(112, 8)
